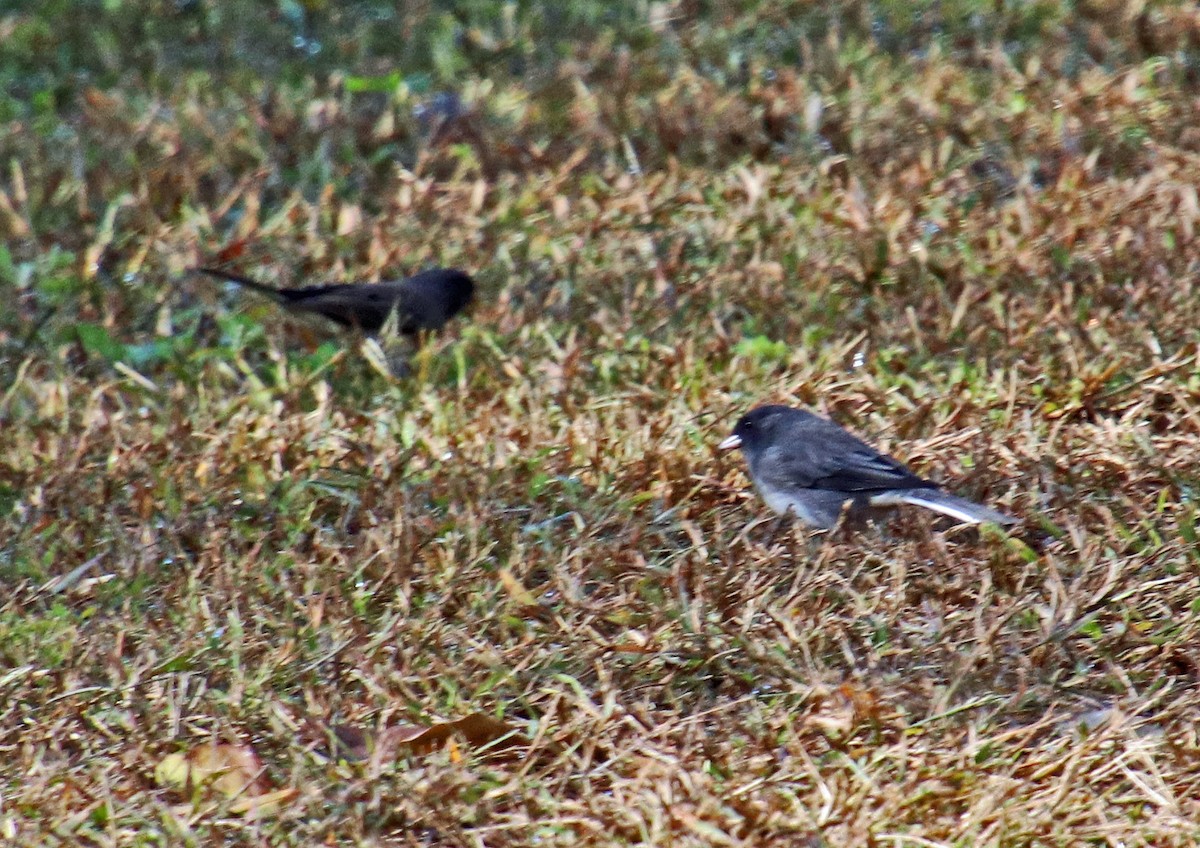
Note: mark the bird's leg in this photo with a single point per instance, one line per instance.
(841, 527)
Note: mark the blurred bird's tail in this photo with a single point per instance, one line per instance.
(241, 281)
(945, 503)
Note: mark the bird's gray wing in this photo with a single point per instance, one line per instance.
(421, 307)
(425, 301)
(362, 305)
(827, 457)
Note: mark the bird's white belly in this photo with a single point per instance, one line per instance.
(783, 503)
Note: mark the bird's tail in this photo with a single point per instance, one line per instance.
(240, 280)
(945, 503)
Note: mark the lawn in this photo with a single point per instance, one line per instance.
(263, 586)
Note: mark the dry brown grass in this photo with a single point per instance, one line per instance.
(215, 532)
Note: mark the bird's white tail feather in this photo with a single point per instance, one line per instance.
(943, 502)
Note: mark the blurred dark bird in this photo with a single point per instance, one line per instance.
(425, 301)
(809, 466)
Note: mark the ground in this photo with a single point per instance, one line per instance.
(259, 588)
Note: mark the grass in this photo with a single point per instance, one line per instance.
(969, 234)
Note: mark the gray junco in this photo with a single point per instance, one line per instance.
(425, 301)
(807, 465)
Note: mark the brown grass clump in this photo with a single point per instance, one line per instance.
(255, 592)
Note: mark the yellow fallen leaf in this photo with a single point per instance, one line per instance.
(232, 770)
(172, 771)
(253, 806)
(516, 590)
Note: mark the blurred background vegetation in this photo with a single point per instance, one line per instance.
(119, 117)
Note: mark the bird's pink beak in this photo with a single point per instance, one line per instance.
(734, 441)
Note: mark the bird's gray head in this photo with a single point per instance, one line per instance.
(459, 289)
(758, 426)
(453, 287)
(444, 292)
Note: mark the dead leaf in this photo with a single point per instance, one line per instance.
(233, 770)
(231, 251)
(255, 806)
(835, 725)
(634, 642)
(378, 358)
(864, 703)
(349, 219)
(100, 101)
(349, 743)
(476, 730)
(516, 590)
